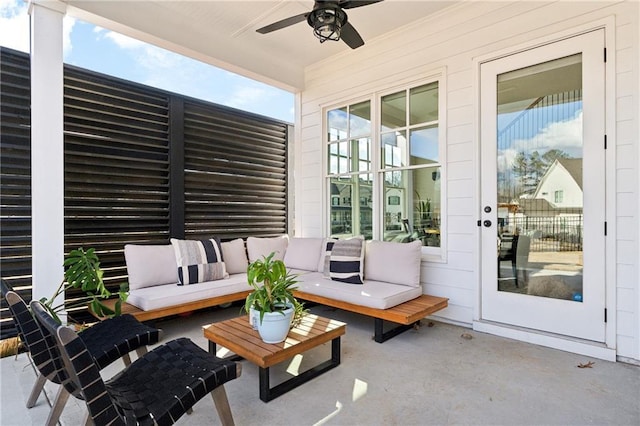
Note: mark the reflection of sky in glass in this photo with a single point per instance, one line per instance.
(556, 127)
(424, 143)
(337, 124)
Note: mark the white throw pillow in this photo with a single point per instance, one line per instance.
(235, 256)
(396, 263)
(257, 247)
(150, 265)
(303, 253)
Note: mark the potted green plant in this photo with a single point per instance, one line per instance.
(82, 271)
(272, 299)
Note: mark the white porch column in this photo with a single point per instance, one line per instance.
(47, 146)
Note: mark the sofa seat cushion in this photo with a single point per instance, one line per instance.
(373, 294)
(150, 298)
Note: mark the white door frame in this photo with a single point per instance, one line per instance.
(608, 349)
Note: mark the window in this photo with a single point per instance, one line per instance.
(394, 153)
(557, 196)
(349, 169)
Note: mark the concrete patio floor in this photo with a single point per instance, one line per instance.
(439, 374)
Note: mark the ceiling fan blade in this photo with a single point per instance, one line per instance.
(283, 24)
(349, 35)
(350, 4)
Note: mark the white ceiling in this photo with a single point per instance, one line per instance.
(223, 33)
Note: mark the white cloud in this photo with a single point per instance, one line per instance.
(67, 28)
(562, 135)
(244, 96)
(14, 25)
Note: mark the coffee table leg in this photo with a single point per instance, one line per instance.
(268, 393)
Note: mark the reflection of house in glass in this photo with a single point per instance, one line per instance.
(554, 210)
(343, 210)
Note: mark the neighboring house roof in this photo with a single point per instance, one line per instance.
(537, 207)
(574, 167)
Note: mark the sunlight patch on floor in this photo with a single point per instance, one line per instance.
(294, 365)
(359, 389)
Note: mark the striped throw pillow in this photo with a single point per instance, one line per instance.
(347, 259)
(199, 261)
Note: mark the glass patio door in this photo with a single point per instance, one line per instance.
(542, 190)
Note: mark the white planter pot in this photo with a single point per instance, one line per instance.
(274, 326)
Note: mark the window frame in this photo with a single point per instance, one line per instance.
(429, 253)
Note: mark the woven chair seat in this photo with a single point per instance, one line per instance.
(112, 339)
(167, 382)
(157, 389)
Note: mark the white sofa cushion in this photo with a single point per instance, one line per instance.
(235, 256)
(373, 294)
(347, 257)
(303, 253)
(170, 295)
(150, 265)
(199, 260)
(397, 263)
(258, 247)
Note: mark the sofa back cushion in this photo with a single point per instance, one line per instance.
(303, 253)
(150, 265)
(397, 263)
(258, 247)
(199, 260)
(235, 256)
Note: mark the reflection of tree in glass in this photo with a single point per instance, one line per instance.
(529, 168)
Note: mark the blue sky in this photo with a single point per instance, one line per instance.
(101, 50)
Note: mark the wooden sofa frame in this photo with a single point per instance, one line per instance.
(405, 316)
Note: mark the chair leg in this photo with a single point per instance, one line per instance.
(37, 389)
(58, 406)
(221, 402)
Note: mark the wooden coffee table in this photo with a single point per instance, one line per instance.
(240, 338)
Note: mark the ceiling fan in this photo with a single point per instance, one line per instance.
(328, 20)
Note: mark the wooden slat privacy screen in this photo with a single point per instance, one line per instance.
(141, 165)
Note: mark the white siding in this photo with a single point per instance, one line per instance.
(450, 41)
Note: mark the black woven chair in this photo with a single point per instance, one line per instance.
(106, 341)
(157, 388)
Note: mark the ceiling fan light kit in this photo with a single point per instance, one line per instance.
(328, 20)
(327, 23)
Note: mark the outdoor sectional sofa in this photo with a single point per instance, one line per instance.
(380, 279)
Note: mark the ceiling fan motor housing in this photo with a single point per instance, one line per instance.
(327, 20)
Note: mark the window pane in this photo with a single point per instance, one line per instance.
(424, 145)
(338, 158)
(412, 206)
(394, 149)
(394, 111)
(351, 206)
(337, 124)
(423, 104)
(364, 154)
(360, 119)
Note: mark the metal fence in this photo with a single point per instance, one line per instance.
(551, 233)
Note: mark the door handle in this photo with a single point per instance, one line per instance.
(487, 223)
